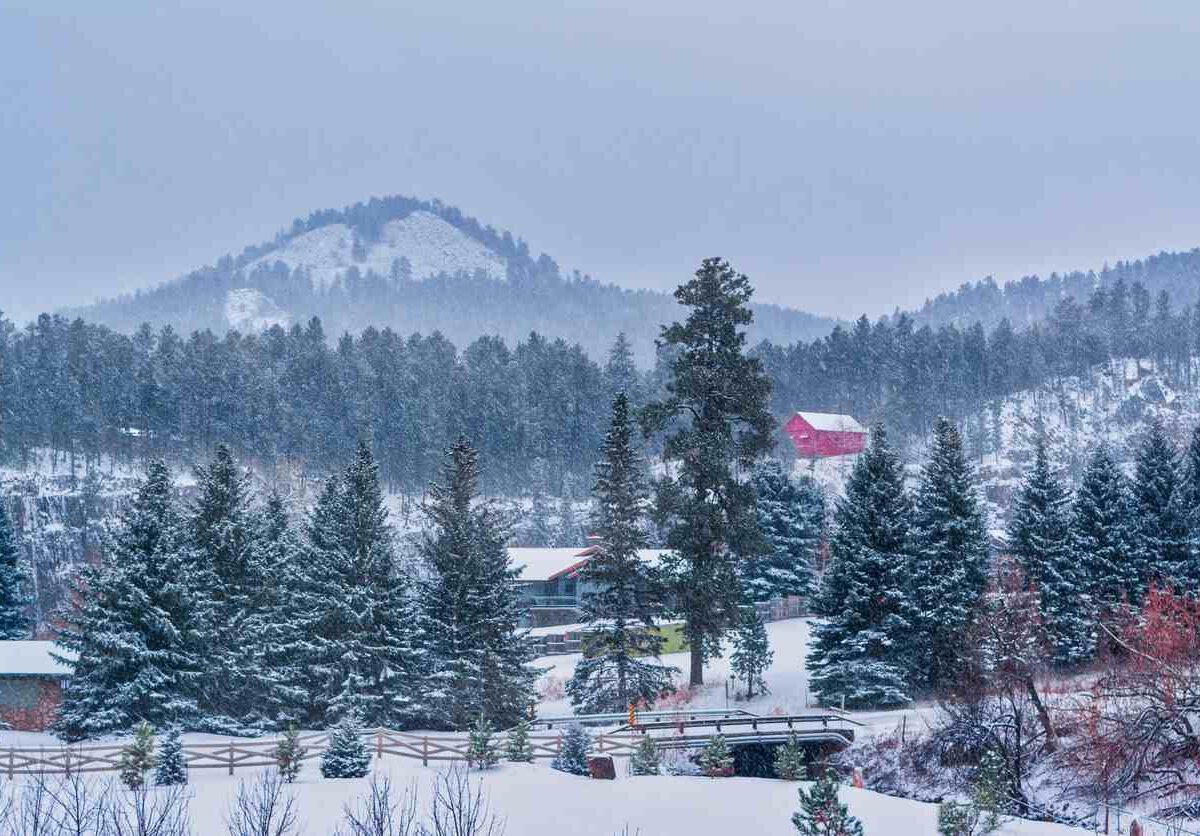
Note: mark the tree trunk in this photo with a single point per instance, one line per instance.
(697, 672)
(1043, 716)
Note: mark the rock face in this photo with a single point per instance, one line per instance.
(601, 767)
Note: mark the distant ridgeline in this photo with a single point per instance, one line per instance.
(415, 266)
(535, 408)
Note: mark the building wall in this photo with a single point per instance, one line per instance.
(29, 703)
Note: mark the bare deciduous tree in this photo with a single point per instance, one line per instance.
(263, 807)
(379, 813)
(459, 809)
(158, 811)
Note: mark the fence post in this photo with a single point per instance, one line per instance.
(378, 744)
(230, 758)
(424, 751)
(11, 761)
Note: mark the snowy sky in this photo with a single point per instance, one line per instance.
(849, 156)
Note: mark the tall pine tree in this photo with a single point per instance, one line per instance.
(791, 516)
(131, 632)
(14, 624)
(1039, 537)
(862, 647)
(1161, 536)
(1102, 536)
(470, 608)
(621, 667)
(950, 544)
(716, 407)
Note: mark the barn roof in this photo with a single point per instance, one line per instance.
(832, 422)
(32, 658)
(549, 564)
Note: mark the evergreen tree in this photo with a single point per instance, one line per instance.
(573, 749)
(752, 653)
(171, 766)
(570, 533)
(951, 549)
(791, 515)
(1191, 504)
(13, 622)
(346, 756)
(717, 405)
(1102, 538)
(620, 373)
(862, 650)
(137, 757)
(822, 814)
(481, 748)
(1039, 538)
(469, 604)
(790, 761)
(517, 748)
(716, 758)
(131, 629)
(361, 650)
(645, 760)
(622, 666)
(539, 532)
(289, 755)
(1161, 541)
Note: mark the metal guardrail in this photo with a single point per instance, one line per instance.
(647, 716)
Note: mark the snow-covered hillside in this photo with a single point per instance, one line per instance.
(429, 244)
(248, 309)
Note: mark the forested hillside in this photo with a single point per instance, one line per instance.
(414, 266)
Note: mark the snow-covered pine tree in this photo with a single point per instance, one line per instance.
(517, 747)
(470, 606)
(289, 755)
(1102, 537)
(620, 372)
(131, 626)
(171, 766)
(622, 665)
(1191, 503)
(573, 750)
(482, 751)
(645, 760)
(950, 544)
(790, 761)
(752, 653)
(360, 639)
(863, 649)
(221, 540)
(716, 758)
(1161, 538)
(538, 530)
(137, 757)
(791, 516)
(822, 813)
(570, 532)
(1039, 538)
(347, 755)
(13, 600)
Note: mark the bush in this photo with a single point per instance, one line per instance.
(573, 751)
(644, 760)
(346, 756)
(137, 757)
(289, 755)
(481, 750)
(716, 760)
(790, 760)
(518, 749)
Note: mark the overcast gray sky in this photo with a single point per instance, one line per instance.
(848, 156)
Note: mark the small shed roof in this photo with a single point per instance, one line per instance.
(32, 658)
(832, 422)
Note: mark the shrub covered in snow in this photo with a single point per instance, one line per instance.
(346, 756)
(573, 752)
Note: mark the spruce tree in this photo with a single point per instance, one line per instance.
(863, 647)
(13, 601)
(951, 547)
(346, 756)
(289, 755)
(1102, 536)
(470, 606)
(717, 408)
(645, 759)
(482, 751)
(822, 814)
(132, 627)
(171, 765)
(517, 747)
(791, 516)
(752, 653)
(1161, 537)
(573, 749)
(1039, 538)
(715, 758)
(137, 757)
(790, 760)
(622, 667)
(1191, 503)
(361, 651)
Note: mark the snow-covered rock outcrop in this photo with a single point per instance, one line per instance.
(247, 309)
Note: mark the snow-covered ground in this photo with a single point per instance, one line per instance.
(534, 800)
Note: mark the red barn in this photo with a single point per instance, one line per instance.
(818, 435)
